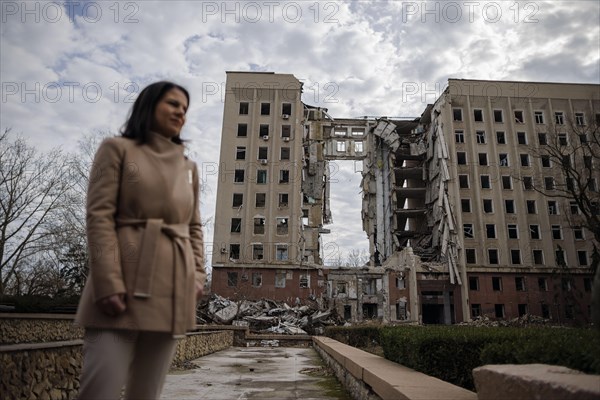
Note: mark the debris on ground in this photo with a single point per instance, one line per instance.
(522, 321)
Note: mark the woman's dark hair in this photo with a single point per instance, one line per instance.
(140, 117)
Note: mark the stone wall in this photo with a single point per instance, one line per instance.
(37, 328)
(198, 344)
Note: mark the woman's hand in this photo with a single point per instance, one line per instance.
(113, 305)
(199, 291)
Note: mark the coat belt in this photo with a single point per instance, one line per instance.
(147, 253)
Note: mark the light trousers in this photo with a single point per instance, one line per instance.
(137, 360)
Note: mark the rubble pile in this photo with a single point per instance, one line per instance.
(523, 321)
(266, 316)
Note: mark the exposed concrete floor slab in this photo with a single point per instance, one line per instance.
(240, 373)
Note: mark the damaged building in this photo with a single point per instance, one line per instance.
(449, 220)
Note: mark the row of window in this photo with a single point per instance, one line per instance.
(537, 257)
(341, 146)
(481, 137)
(257, 280)
(524, 159)
(509, 207)
(523, 309)
(528, 183)
(263, 153)
(519, 116)
(239, 176)
(513, 231)
(521, 284)
(265, 109)
(260, 200)
(259, 225)
(264, 131)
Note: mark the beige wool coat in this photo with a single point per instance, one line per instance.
(144, 236)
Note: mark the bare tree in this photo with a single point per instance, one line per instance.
(32, 190)
(356, 258)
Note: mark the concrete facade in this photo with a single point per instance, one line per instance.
(456, 228)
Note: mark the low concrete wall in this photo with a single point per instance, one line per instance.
(370, 377)
(37, 328)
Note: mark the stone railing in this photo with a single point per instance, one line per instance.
(38, 328)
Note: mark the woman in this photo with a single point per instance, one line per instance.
(146, 250)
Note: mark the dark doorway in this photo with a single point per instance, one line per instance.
(433, 313)
(369, 311)
(347, 312)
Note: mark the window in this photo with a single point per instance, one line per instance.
(493, 256)
(400, 282)
(341, 146)
(579, 119)
(556, 232)
(543, 284)
(263, 153)
(459, 136)
(461, 158)
(286, 131)
(281, 252)
(552, 207)
(473, 283)
(283, 199)
(286, 109)
(485, 181)
(261, 199)
(457, 114)
(578, 233)
(242, 130)
(542, 139)
(488, 206)
(470, 256)
(546, 311)
(480, 135)
(521, 138)
(546, 161)
(582, 257)
(549, 183)
(240, 153)
(261, 176)
(574, 207)
(520, 283)
(559, 118)
(478, 115)
(259, 225)
(265, 108)
(571, 184)
(562, 139)
(236, 225)
(497, 283)
(238, 199)
(304, 280)
(475, 310)
(263, 130)
(244, 107)
(566, 284)
(531, 207)
(515, 256)
(285, 153)
(509, 206)
(256, 279)
(282, 226)
(513, 231)
(498, 116)
(527, 183)
(583, 138)
(503, 159)
(284, 176)
(463, 181)
(587, 284)
(490, 231)
(538, 257)
(358, 131)
(506, 182)
(232, 279)
(234, 251)
(483, 159)
(539, 117)
(468, 230)
(358, 147)
(257, 251)
(499, 310)
(280, 279)
(534, 231)
(465, 205)
(519, 117)
(501, 137)
(524, 160)
(522, 309)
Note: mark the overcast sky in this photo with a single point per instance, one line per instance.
(71, 68)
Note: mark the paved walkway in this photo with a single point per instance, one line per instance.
(239, 373)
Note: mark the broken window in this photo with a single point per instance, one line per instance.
(503, 159)
(240, 153)
(465, 205)
(286, 131)
(261, 176)
(509, 206)
(582, 257)
(475, 310)
(236, 225)
(286, 109)
(574, 207)
(478, 115)
(285, 153)
(485, 181)
(262, 153)
(513, 231)
(457, 114)
(549, 183)
(280, 279)
(490, 231)
(244, 107)
(519, 117)
(528, 183)
(339, 131)
(578, 233)
(341, 287)
(531, 207)
(497, 283)
(242, 130)
(493, 256)
(546, 311)
(522, 309)
(552, 207)
(238, 199)
(562, 139)
(261, 199)
(524, 160)
(257, 251)
(459, 136)
(347, 312)
(282, 226)
(468, 231)
(358, 131)
(370, 286)
(498, 116)
(461, 158)
(401, 313)
(501, 137)
(546, 161)
(488, 206)
(400, 282)
(521, 138)
(559, 118)
(588, 162)
(506, 182)
(539, 117)
(232, 279)
(263, 131)
(341, 146)
(542, 139)
(556, 232)
(579, 119)
(483, 159)
(463, 181)
(265, 108)
(238, 176)
(534, 231)
(234, 251)
(473, 283)
(587, 284)
(538, 257)
(304, 280)
(543, 284)
(256, 279)
(515, 256)
(284, 176)
(358, 147)
(283, 199)
(259, 225)
(480, 135)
